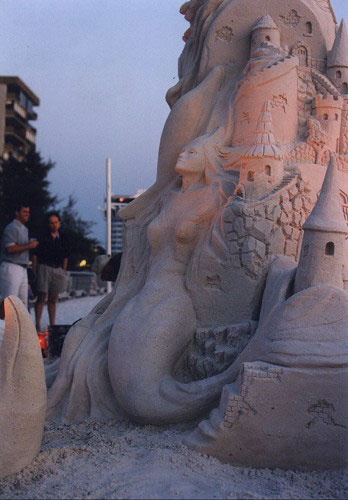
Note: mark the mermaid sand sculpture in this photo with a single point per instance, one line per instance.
(206, 285)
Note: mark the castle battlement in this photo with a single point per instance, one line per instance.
(277, 69)
(328, 101)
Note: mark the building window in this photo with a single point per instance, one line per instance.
(251, 176)
(268, 170)
(25, 102)
(338, 74)
(330, 248)
(326, 116)
(336, 117)
(309, 28)
(267, 38)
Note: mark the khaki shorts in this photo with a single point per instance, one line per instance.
(52, 280)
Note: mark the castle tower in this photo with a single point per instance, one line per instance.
(262, 165)
(328, 111)
(264, 34)
(337, 63)
(323, 250)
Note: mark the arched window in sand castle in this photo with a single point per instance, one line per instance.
(309, 28)
(345, 88)
(302, 54)
(251, 176)
(326, 116)
(240, 191)
(344, 200)
(267, 38)
(268, 170)
(338, 74)
(330, 248)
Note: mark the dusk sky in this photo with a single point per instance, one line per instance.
(101, 69)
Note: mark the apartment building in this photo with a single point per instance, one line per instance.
(17, 103)
(117, 225)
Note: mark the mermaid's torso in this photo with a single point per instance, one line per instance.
(174, 233)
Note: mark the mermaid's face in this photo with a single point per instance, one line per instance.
(191, 160)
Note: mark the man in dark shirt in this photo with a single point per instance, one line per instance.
(50, 263)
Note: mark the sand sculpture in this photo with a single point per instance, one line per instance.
(22, 390)
(229, 290)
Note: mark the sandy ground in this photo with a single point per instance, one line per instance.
(116, 459)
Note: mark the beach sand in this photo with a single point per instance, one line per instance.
(116, 459)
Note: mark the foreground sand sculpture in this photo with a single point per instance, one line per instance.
(220, 296)
(22, 390)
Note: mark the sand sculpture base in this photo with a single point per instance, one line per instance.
(256, 426)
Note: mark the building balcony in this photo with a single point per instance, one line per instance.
(30, 135)
(12, 134)
(24, 135)
(32, 115)
(14, 108)
(15, 151)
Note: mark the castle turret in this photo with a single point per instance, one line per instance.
(337, 63)
(323, 250)
(264, 34)
(262, 165)
(328, 111)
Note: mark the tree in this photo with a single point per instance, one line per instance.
(25, 181)
(77, 231)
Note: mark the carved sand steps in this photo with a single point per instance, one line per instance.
(324, 82)
(285, 183)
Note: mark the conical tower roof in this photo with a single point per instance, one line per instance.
(339, 53)
(263, 142)
(265, 22)
(327, 215)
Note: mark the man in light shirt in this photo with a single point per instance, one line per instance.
(14, 256)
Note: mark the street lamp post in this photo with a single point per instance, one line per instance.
(108, 216)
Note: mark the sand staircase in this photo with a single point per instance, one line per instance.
(287, 179)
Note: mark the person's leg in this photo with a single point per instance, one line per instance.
(57, 284)
(40, 302)
(23, 287)
(11, 276)
(51, 306)
(42, 291)
(2, 309)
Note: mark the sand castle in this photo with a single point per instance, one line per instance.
(232, 292)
